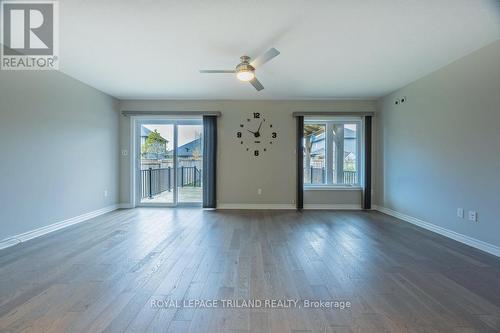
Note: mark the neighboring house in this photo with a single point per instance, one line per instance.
(318, 147)
(189, 154)
(144, 134)
(187, 149)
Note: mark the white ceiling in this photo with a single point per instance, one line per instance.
(329, 48)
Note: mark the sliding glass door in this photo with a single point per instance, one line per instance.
(170, 161)
(189, 163)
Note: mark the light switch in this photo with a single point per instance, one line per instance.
(472, 216)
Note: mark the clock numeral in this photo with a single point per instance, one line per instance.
(256, 115)
(274, 135)
(238, 134)
(256, 152)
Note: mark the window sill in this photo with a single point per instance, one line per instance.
(332, 188)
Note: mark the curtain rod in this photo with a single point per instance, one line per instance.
(171, 113)
(333, 113)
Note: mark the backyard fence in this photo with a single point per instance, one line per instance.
(350, 177)
(156, 181)
(318, 176)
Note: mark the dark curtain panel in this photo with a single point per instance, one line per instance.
(300, 162)
(209, 161)
(367, 195)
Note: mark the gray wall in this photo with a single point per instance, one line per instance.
(239, 173)
(59, 145)
(439, 151)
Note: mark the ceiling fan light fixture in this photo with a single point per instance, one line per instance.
(245, 75)
(245, 71)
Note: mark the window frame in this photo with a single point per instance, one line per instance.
(329, 155)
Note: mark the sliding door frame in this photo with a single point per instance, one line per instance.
(135, 144)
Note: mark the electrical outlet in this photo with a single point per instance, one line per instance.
(472, 216)
(460, 213)
(259, 191)
(293, 201)
(124, 152)
(106, 193)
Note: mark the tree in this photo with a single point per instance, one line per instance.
(197, 153)
(309, 131)
(155, 144)
(197, 149)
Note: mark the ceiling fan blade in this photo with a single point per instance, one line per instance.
(256, 84)
(263, 58)
(216, 71)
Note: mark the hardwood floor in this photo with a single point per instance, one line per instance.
(109, 273)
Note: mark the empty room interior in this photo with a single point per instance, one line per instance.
(250, 166)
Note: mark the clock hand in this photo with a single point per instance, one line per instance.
(258, 130)
(256, 133)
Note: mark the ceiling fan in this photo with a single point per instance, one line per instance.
(245, 70)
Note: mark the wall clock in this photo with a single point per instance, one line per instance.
(256, 134)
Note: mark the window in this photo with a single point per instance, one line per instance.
(314, 153)
(332, 152)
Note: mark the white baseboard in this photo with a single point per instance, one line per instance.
(125, 205)
(8, 242)
(255, 206)
(332, 207)
(473, 242)
(288, 206)
(55, 226)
